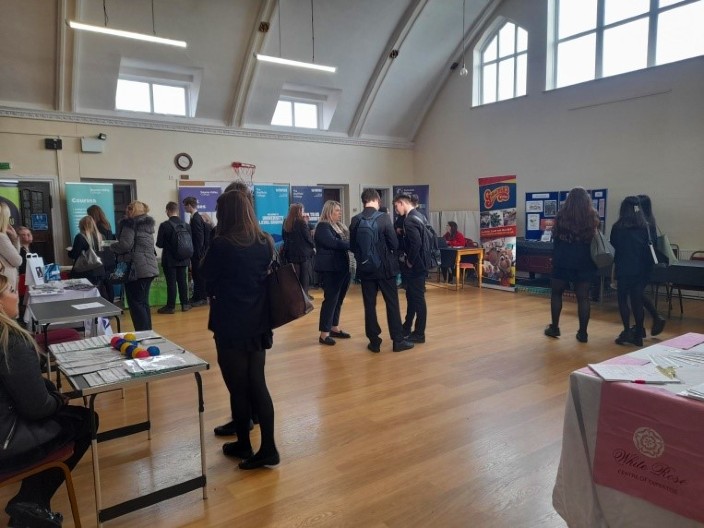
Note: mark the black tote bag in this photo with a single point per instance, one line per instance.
(287, 300)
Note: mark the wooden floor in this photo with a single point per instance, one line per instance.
(463, 431)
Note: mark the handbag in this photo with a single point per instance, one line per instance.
(602, 251)
(662, 244)
(35, 270)
(287, 300)
(124, 272)
(88, 260)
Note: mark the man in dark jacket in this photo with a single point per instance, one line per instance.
(190, 204)
(414, 268)
(175, 267)
(383, 277)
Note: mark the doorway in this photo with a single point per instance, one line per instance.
(35, 213)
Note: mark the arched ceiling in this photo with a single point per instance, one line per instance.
(48, 67)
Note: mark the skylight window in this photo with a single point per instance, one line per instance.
(297, 114)
(153, 98)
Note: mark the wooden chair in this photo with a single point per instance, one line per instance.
(56, 459)
(697, 255)
(466, 267)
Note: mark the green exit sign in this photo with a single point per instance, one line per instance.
(5, 165)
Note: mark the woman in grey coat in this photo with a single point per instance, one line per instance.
(135, 244)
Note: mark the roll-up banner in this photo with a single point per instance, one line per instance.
(497, 216)
(421, 191)
(207, 201)
(312, 200)
(271, 207)
(80, 196)
(10, 195)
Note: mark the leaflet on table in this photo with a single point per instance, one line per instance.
(648, 373)
(102, 377)
(696, 392)
(141, 367)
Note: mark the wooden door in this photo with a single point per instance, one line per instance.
(35, 213)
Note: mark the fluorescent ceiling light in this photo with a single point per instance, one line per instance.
(287, 62)
(127, 34)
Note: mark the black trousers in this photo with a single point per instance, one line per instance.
(389, 291)
(335, 285)
(243, 373)
(176, 276)
(199, 293)
(416, 308)
(138, 299)
(75, 427)
(303, 272)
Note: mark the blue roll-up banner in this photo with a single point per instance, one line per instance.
(312, 200)
(80, 196)
(423, 193)
(271, 207)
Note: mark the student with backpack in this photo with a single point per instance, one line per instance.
(414, 267)
(373, 242)
(174, 238)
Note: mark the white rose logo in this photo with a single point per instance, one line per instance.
(648, 442)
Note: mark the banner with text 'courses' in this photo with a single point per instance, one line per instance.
(271, 207)
(497, 217)
(80, 196)
(312, 200)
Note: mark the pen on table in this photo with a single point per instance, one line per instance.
(640, 381)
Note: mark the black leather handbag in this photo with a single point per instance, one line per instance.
(287, 300)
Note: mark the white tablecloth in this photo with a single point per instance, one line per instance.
(37, 294)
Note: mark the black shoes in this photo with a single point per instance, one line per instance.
(582, 336)
(629, 337)
(552, 331)
(340, 335)
(400, 346)
(166, 310)
(29, 514)
(260, 460)
(229, 429)
(415, 338)
(658, 326)
(374, 347)
(237, 450)
(326, 340)
(185, 307)
(199, 302)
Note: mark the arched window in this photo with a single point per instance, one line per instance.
(501, 62)
(592, 39)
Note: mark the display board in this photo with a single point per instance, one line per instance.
(541, 209)
(80, 196)
(207, 197)
(271, 203)
(421, 191)
(312, 200)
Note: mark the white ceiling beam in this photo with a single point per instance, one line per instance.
(472, 33)
(244, 83)
(402, 30)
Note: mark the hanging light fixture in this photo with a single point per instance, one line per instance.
(126, 34)
(463, 71)
(297, 64)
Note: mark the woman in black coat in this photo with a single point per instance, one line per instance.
(35, 420)
(633, 265)
(298, 244)
(235, 268)
(88, 238)
(333, 264)
(108, 257)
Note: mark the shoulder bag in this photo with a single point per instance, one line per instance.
(602, 250)
(287, 300)
(124, 271)
(662, 244)
(88, 260)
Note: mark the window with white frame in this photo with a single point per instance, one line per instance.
(297, 114)
(600, 38)
(157, 88)
(502, 65)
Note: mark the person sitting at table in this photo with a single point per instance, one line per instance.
(25, 238)
(35, 420)
(10, 258)
(88, 237)
(454, 238)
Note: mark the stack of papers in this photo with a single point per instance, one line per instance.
(696, 392)
(634, 373)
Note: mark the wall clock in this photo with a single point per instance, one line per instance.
(183, 161)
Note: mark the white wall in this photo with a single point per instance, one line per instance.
(147, 156)
(637, 133)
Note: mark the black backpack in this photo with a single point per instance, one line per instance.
(367, 241)
(182, 242)
(430, 252)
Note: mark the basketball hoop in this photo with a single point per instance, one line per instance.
(244, 171)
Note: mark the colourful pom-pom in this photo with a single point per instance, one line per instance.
(124, 346)
(142, 354)
(114, 340)
(131, 350)
(154, 350)
(130, 336)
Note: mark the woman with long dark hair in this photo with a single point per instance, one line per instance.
(107, 256)
(35, 420)
(332, 242)
(633, 265)
(575, 226)
(298, 244)
(236, 267)
(658, 320)
(454, 238)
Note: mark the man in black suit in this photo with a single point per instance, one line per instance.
(190, 204)
(382, 276)
(175, 268)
